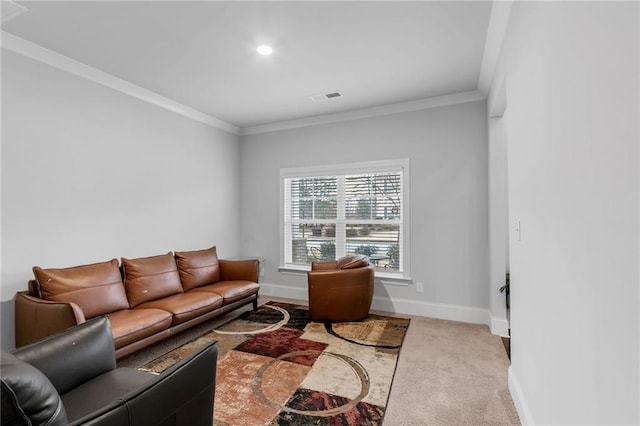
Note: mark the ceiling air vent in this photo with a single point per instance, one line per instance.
(325, 97)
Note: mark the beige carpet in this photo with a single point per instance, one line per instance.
(448, 373)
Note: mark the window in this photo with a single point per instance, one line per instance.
(333, 211)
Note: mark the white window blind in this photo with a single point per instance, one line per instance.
(331, 212)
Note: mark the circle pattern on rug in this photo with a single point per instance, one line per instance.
(355, 366)
(329, 328)
(271, 327)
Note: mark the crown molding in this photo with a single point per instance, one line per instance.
(64, 63)
(498, 22)
(11, 10)
(416, 105)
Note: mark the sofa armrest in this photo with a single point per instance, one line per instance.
(247, 270)
(37, 318)
(183, 395)
(74, 355)
(186, 390)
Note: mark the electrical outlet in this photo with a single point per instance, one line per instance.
(419, 288)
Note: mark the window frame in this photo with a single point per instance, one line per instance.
(398, 165)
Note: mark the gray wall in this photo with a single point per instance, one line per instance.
(447, 149)
(89, 174)
(572, 117)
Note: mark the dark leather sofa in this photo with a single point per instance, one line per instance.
(147, 299)
(71, 378)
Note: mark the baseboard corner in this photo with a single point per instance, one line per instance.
(499, 326)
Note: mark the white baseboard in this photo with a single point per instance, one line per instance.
(499, 326)
(432, 310)
(401, 306)
(286, 291)
(518, 399)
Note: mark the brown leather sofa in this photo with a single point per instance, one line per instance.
(71, 379)
(146, 299)
(342, 290)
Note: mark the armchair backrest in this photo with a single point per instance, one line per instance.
(352, 262)
(345, 262)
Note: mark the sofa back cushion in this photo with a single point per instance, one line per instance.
(28, 397)
(150, 278)
(198, 268)
(351, 262)
(96, 288)
(74, 355)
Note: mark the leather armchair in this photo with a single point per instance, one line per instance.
(71, 378)
(342, 290)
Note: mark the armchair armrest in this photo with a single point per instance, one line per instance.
(37, 318)
(247, 270)
(74, 355)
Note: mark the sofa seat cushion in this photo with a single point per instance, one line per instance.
(198, 268)
(150, 278)
(105, 390)
(230, 291)
(97, 288)
(185, 306)
(131, 325)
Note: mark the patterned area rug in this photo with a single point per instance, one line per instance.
(276, 367)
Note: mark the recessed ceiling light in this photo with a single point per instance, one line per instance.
(264, 50)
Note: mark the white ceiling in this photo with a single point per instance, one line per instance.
(202, 54)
